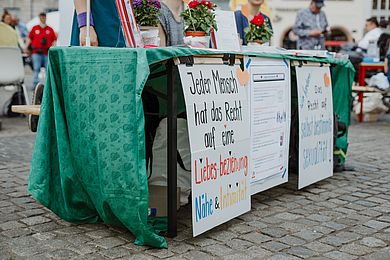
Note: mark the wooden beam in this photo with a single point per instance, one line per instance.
(27, 109)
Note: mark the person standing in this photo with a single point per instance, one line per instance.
(246, 14)
(40, 38)
(105, 30)
(311, 27)
(171, 25)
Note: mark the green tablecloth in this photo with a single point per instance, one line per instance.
(89, 157)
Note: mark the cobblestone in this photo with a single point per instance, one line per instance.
(372, 242)
(343, 217)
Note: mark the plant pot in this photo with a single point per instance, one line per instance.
(195, 34)
(255, 43)
(150, 36)
(197, 39)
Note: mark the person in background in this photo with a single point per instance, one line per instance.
(311, 27)
(242, 5)
(40, 38)
(20, 27)
(8, 36)
(246, 14)
(373, 32)
(105, 31)
(171, 24)
(21, 30)
(384, 24)
(6, 18)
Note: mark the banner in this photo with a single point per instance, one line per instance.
(218, 124)
(270, 112)
(315, 110)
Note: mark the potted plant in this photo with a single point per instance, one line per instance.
(146, 14)
(199, 21)
(259, 32)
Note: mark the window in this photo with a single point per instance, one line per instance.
(383, 4)
(374, 4)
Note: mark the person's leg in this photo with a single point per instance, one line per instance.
(36, 61)
(44, 61)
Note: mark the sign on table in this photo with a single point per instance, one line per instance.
(315, 108)
(225, 38)
(218, 123)
(270, 110)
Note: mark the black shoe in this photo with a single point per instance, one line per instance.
(37, 100)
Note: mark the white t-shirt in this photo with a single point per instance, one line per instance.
(372, 35)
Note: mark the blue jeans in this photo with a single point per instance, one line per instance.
(38, 61)
(388, 66)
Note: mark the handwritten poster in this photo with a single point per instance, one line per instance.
(315, 110)
(218, 123)
(270, 111)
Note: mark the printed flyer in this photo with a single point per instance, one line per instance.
(315, 111)
(270, 111)
(218, 122)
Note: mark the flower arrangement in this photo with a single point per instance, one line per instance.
(146, 12)
(198, 17)
(259, 30)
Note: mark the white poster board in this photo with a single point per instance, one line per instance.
(218, 125)
(226, 37)
(270, 111)
(315, 111)
(66, 9)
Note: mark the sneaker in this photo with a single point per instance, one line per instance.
(37, 100)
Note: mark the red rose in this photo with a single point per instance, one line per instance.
(193, 4)
(258, 20)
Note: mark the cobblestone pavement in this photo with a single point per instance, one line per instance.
(344, 217)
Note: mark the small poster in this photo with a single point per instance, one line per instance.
(226, 37)
(315, 111)
(270, 112)
(130, 28)
(218, 124)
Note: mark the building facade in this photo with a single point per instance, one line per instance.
(27, 9)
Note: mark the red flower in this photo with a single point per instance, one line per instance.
(209, 4)
(258, 20)
(193, 4)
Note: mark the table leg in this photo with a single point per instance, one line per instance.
(172, 150)
(362, 77)
(361, 116)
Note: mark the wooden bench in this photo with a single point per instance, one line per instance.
(367, 89)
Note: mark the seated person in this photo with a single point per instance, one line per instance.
(373, 32)
(171, 24)
(246, 14)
